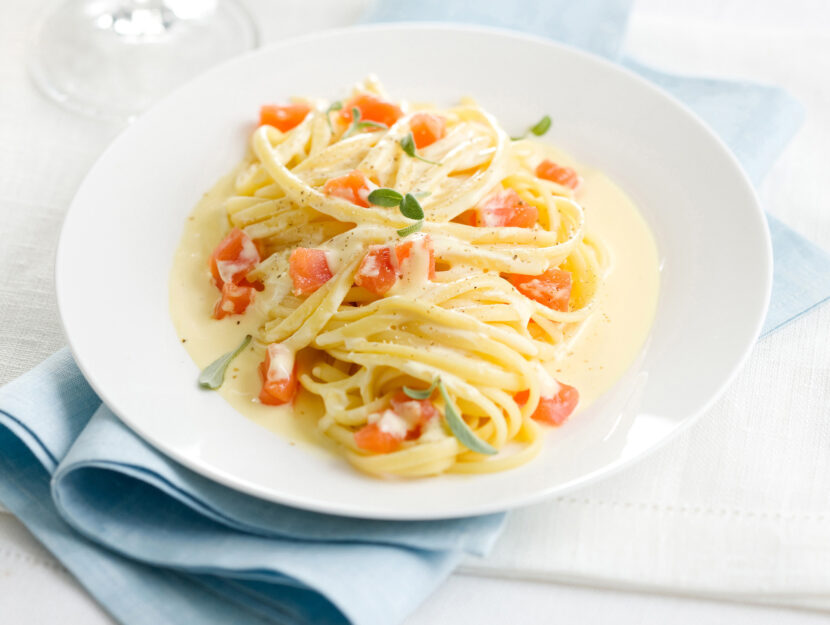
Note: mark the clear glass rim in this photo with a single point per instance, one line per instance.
(89, 108)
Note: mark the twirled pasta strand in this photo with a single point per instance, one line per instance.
(469, 326)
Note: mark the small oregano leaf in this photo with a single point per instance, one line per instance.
(213, 375)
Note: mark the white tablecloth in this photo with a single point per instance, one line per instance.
(737, 508)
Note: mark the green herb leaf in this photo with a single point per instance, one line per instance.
(213, 375)
(335, 106)
(363, 125)
(538, 129)
(460, 429)
(385, 197)
(420, 393)
(353, 127)
(408, 145)
(360, 125)
(410, 207)
(411, 228)
(542, 126)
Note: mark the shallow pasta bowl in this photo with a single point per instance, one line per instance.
(126, 220)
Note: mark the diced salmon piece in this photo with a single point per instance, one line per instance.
(233, 258)
(505, 208)
(371, 438)
(378, 271)
(554, 409)
(309, 270)
(552, 288)
(404, 252)
(234, 300)
(283, 117)
(427, 129)
(417, 412)
(566, 176)
(380, 268)
(354, 187)
(403, 420)
(372, 109)
(279, 376)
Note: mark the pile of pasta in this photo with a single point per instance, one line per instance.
(425, 338)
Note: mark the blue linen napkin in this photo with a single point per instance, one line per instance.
(155, 543)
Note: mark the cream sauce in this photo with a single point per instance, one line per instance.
(614, 335)
(192, 297)
(606, 346)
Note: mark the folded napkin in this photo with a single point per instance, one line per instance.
(156, 543)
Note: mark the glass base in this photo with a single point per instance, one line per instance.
(112, 59)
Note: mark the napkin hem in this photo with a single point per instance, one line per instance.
(42, 453)
(809, 600)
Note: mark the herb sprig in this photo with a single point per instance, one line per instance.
(538, 129)
(421, 394)
(408, 205)
(457, 425)
(408, 145)
(335, 106)
(213, 375)
(357, 125)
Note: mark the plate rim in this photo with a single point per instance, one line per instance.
(504, 504)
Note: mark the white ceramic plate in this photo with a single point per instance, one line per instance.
(124, 224)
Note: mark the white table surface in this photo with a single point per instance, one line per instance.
(45, 152)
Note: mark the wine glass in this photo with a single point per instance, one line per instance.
(113, 58)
